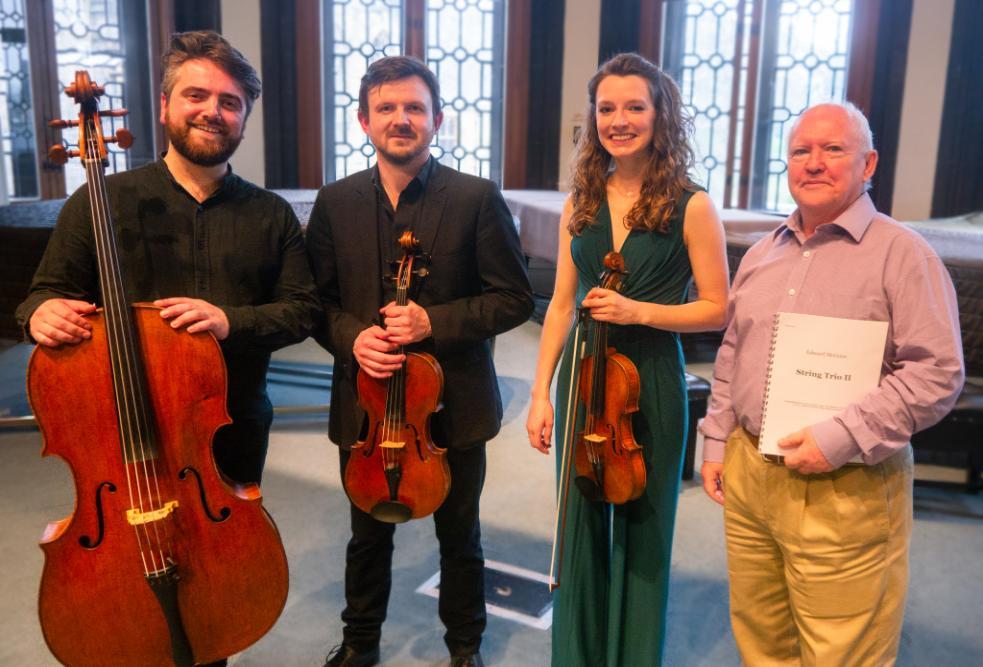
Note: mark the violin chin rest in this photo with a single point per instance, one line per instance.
(391, 511)
(589, 488)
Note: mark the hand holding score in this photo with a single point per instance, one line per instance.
(196, 314)
(58, 321)
(803, 454)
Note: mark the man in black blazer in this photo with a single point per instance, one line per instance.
(476, 287)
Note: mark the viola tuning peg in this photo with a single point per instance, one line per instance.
(57, 154)
(123, 138)
(62, 124)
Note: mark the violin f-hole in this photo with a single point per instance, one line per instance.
(85, 540)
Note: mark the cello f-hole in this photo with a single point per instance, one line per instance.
(85, 540)
(223, 513)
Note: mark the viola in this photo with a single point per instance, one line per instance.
(397, 473)
(164, 561)
(603, 394)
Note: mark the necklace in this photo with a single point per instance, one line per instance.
(627, 194)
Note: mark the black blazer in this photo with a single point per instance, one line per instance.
(477, 287)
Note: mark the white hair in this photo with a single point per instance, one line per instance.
(857, 119)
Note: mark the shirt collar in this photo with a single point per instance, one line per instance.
(421, 179)
(226, 188)
(854, 221)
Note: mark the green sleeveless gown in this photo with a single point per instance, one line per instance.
(610, 608)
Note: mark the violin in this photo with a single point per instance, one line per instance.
(163, 562)
(603, 393)
(397, 473)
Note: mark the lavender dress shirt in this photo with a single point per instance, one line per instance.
(863, 265)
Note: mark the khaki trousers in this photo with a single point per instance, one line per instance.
(818, 564)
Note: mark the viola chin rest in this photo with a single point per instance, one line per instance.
(392, 511)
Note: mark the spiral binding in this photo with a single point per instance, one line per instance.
(771, 363)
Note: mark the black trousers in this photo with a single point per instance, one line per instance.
(368, 566)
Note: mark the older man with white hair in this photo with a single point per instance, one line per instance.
(817, 547)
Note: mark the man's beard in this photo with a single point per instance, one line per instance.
(201, 153)
(405, 156)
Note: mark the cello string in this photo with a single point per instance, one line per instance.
(131, 390)
(109, 304)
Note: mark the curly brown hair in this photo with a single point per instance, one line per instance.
(669, 162)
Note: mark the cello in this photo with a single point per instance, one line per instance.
(163, 561)
(603, 386)
(397, 473)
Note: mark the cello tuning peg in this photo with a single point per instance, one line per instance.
(97, 90)
(59, 155)
(123, 138)
(115, 112)
(62, 124)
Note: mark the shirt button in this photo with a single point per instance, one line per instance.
(791, 292)
(806, 253)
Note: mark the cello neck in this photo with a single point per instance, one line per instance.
(129, 382)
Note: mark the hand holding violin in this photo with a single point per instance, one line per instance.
(607, 305)
(406, 324)
(373, 350)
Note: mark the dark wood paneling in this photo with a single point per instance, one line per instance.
(883, 106)
(141, 88)
(415, 26)
(545, 91)
(959, 170)
(280, 102)
(619, 27)
(650, 30)
(197, 15)
(516, 93)
(161, 16)
(310, 143)
(45, 92)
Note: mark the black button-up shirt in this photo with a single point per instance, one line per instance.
(241, 250)
(393, 222)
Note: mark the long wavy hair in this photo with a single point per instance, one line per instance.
(669, 160)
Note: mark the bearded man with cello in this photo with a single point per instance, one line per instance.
(472, 286)
(214, 253)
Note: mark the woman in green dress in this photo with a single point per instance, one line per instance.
(630, 192)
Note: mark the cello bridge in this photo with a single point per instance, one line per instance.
(136, 517)
(595, 439)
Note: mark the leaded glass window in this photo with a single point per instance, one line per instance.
(88, 36)
(361, 32)
(464, 47)
(802, 50)
(804, 62)
(20, 164)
